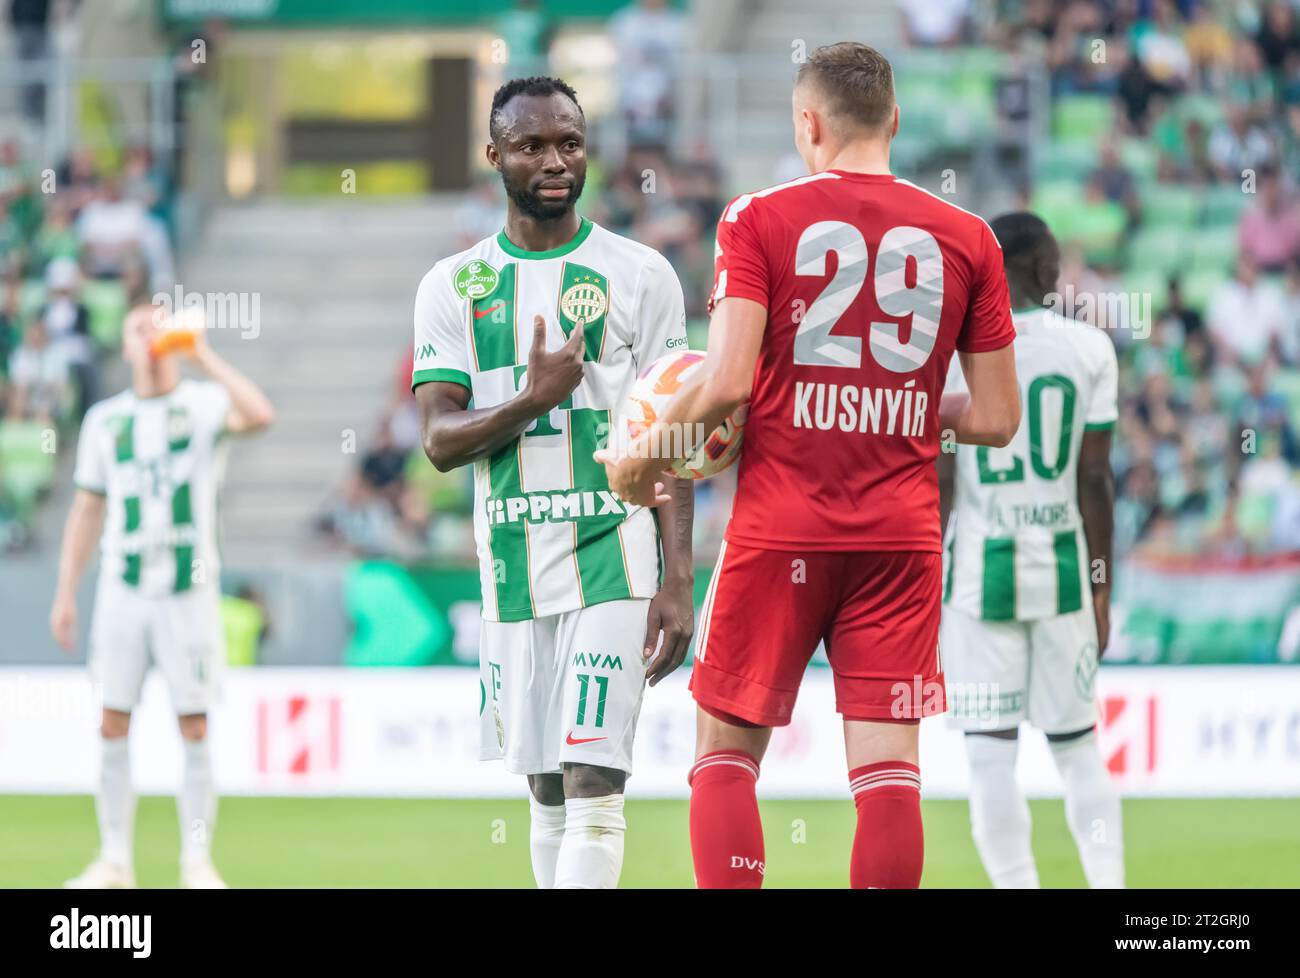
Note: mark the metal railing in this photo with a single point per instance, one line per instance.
(147, 85)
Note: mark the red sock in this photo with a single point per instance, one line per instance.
(726, 833)
(889, 846)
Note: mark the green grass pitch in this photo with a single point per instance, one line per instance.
(342, 842)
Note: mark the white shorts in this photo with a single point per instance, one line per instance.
(565, 689)
(179, 633)
(1001, 672)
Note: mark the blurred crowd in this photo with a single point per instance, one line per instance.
(1193, 112)
(79, 245)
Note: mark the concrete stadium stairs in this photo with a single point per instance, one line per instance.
(763, 33)
(336, 282)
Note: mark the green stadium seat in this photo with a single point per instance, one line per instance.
(923, 127)
(1151, 282)
(1214, 248)
(1157, 249)
(1199, 286)
(1098, 228)
(1066, 161)
(107, 305)
(1083, 117)
(909, 150)
(1224, 204)
(1140, 158)
(923, 62)
(25, 467)
(1207, 108)
(1170, 206)
(981, 62)
(978, 106)
(1058, 202)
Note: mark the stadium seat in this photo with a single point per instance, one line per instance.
(1199, 286)
(1083, 117)
(982, 62)
(1153, 282)
(1165, 205)
(1208, 109)
(1157, 249)
(25, 467)
(1057, 202)
(1067, 160)
(1140, 158)
(106, 303)
(1098, 229)
(1224, 204)
(1214, 248)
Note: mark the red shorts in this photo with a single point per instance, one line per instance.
(766, 610)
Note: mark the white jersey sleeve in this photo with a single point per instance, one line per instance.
(91, 471)
(1103, 406)
(661, 313)
(441, 353)
(211, 406)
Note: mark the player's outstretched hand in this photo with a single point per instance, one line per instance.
(672, 615)
(554, 376)
(632, 481)
(63, 623)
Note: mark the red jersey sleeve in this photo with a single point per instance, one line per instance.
(988, 323)
(739, 260)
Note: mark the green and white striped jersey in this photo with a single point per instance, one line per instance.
(156, 460)
(551, 536)
(1015, 548)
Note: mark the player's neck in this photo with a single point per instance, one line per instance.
(861, 157)
(532, 234)
(1022, 301)
(147, 382)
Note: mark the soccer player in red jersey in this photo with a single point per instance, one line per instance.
(838, 301)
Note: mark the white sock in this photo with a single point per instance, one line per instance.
(591, 853)
(545, 832)
(197, 802)
(999, 814)
(115, 801)
(1092, 808)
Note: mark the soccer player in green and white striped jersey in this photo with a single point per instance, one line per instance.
(147, 472)
(544, 327)
(1027, 583)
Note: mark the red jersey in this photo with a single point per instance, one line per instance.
(869, 283)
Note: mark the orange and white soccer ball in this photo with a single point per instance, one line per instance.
(650, 394)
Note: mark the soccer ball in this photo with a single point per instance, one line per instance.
(650, 394)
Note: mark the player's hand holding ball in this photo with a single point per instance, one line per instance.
(650, 448)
